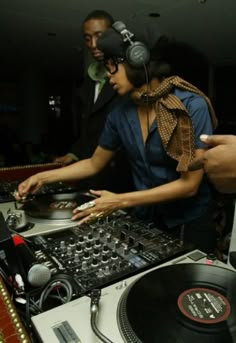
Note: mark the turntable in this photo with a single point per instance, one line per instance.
(42, 213)
(187, 303)
(55, 206)
(179, 301)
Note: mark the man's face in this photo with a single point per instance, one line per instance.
(92, 29)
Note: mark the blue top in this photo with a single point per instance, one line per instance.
(151, 166)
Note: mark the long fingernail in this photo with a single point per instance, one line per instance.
(204, 137)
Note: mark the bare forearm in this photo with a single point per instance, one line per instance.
(75, 171)
(178, 189)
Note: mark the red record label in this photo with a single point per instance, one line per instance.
(204, 305)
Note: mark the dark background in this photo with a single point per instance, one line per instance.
(41, 65)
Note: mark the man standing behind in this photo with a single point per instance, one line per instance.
(96, 99)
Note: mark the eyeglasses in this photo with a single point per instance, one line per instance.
(111, 64)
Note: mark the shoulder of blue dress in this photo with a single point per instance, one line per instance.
(183, 94)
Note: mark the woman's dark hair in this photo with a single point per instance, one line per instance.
(170, 57)
(155, 69)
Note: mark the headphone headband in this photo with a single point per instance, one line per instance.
(137, 54)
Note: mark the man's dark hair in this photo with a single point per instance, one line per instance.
(100, 14)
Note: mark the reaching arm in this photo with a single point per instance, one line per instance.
(76, 171)
(184, 187)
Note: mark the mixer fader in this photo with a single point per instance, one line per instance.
(108, 250)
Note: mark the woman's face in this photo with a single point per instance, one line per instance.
(118, 78)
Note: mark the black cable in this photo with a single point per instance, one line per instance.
(95, 297)
(28, 307)
(147, 90)
(55, 283)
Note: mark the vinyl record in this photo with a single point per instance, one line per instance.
(185, 303)
(55, 206)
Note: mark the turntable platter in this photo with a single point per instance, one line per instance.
(55, 206)
(180, 303)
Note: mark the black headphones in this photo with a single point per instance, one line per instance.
(137, 54)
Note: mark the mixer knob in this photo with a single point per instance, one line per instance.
(117, 244)
(86, 255)
(81, 239)
(105, 249)
(76, 258)
(72, 243)
(100, 273)
(107, 270)
(97, 243)
(125, 249)
(63, 245)
(88, 246)
(90, 236)
(84, 265)
(104, 259)
(114, 255)
(96, 252)
(69, 251)
(101, 233)
(94, 262)
(79, 248)
(108, 238)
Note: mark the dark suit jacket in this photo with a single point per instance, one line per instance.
(91, 118)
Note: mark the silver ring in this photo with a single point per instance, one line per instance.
(86, 205)
(99, 214)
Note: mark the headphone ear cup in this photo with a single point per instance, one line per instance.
(137, 54)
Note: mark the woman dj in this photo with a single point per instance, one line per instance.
(158, 129)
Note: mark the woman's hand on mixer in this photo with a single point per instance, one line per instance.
(105, 203)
